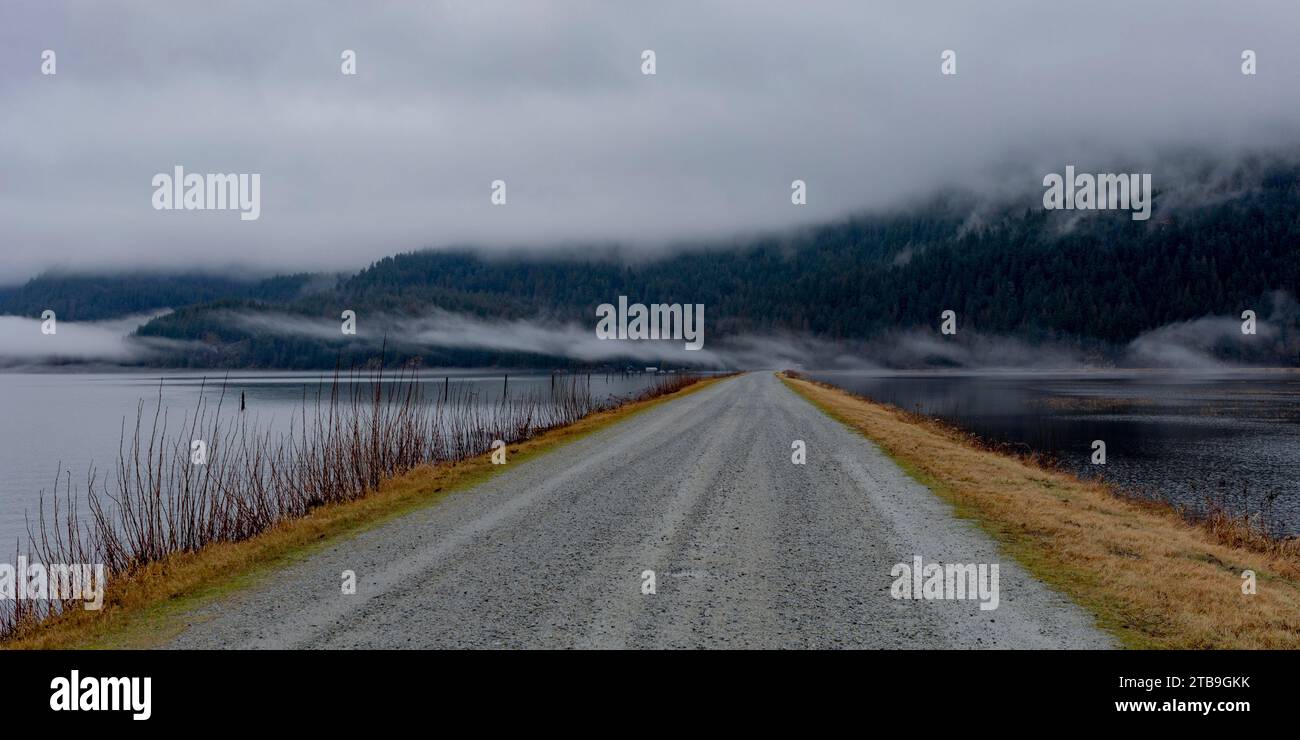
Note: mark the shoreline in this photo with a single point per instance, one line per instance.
(1150, 577)
(146, 607)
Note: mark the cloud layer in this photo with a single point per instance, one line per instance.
(549, 97)
(23, 343)
(1196, 344)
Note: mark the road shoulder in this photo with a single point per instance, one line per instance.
(1149, 577)
(153, 606)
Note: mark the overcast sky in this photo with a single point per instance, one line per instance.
(549, 97)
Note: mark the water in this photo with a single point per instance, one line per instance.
(1186, 437)
(74, 422)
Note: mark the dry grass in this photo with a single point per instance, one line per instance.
(151, 604)
(1152, 578)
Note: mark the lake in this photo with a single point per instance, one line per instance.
(1231, 437)
(1186, 437)
(73, 422)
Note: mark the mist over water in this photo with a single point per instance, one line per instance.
(1195, 439)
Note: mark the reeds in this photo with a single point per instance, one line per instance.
(356, 432)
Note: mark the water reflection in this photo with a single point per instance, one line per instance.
(1190, 438)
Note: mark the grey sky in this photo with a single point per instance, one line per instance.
(549, 97)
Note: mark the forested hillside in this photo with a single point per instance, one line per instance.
(1018, 271)
(107, 296)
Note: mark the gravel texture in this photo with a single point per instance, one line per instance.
(749, 551)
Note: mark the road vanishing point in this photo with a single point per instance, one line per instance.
(748, 550)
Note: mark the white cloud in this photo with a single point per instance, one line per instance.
(21, 341)
(548, 96)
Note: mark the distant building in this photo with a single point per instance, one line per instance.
(652, 369)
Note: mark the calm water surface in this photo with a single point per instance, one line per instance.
(1186, 437)
(73, 422)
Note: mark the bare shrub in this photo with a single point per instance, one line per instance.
(356, 432)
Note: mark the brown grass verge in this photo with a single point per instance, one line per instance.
(151, 605)
(1151, 578)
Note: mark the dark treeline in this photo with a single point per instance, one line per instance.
(1098, 277)
(1109, 278)
(75, 297)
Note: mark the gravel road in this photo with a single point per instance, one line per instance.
(749, 551)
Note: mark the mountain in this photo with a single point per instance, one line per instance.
(1099, 280)
(95, 297)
